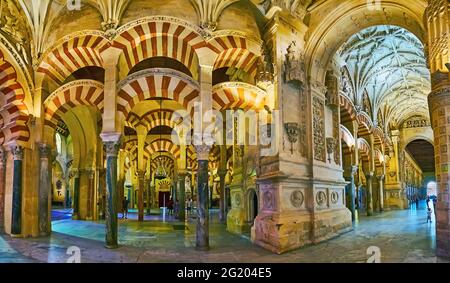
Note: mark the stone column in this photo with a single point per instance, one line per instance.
(369, 193)
(222, 211)
(16, 222)
(148, 199)
(182, 197)
(202, 242)
(112, 149)
(90, 194)
(75, 174)
(381, 192)
(141, 175)
(2, 189)
(45, 186)
(354, 170)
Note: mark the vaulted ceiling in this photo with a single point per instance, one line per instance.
(388, 63)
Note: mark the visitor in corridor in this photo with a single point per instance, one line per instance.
(170, 206)
(189, 205)
(417, 202)
(125, 204)
(429, 215)
(428, 202)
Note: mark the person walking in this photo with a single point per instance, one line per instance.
(428, 201)
(429, 215)
(170, 206)
(125, 204)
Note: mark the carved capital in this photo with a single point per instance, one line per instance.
(202, 151)
(17, 152)
(3, 154)
(45, 150)
(74, 173)
(111, 148)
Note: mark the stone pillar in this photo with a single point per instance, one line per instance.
(369, 193)
(353, 171)
(112, 149)
(148, 198)
(182, 196)
(16, 222)
(2, 189)
(45, 186)
(141, 175)
(381, 192)
(90, 193)
(222, 211)
(75, 174)
(202, 242)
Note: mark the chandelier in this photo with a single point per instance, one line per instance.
(160, 173)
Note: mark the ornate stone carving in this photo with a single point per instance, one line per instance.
(331, 144)
(202, 151)
(2, 156)
(319, 129)
(334, 197)
(332, 85)
(45, 150)
(321, 198)
(17, 152)
(294, 67)
(112, 148)
(292, 132)
(265, 69)
(268, 200)
(237, 200)
(209, 11)
(297, 198)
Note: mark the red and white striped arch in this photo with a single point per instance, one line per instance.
(73, 94)
(364, 149)
(73, 52)
(158, 36)
(151, 119)
(165, 161)
(365, 124)
(234, 95)
(235, 49)
(347, 109)
(347, 137)
(164, 145)
(13, 110)
(151, 83)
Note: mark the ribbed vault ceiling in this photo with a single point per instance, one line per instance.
(389, 63)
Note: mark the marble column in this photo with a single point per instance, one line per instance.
(369, 194)
(182, 196)
(141, 176)
(75, 174)
(90, 194)
(45, 186)
(222, 204)
(148, 197)
(202, 242)
(2, 189)
(112, 149)
(16, 221)
(354, 170)
(381, 192)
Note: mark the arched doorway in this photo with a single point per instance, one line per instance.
(252, 209)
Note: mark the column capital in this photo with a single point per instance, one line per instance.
(370, 175)
(74, 173)
(3, 154)
(111, 148)
(354, 169)
(222, 173)
(381, 178)
(45, 150)
(17, 152)
(202, 151)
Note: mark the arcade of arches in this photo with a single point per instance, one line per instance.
(357, 94)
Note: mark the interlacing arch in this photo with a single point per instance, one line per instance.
(151, 119)
(73, 94)
(365, 124)
(151, 83)
(13, 110)
(238, 95)
(235, 49)
(165, 161)
(364, 149)
(347, 105)
(379, 158)
(73, 52)
(158, 36)
(347, 137)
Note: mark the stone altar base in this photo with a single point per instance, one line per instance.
(283, 232)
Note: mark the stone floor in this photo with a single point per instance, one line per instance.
(401, 236)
